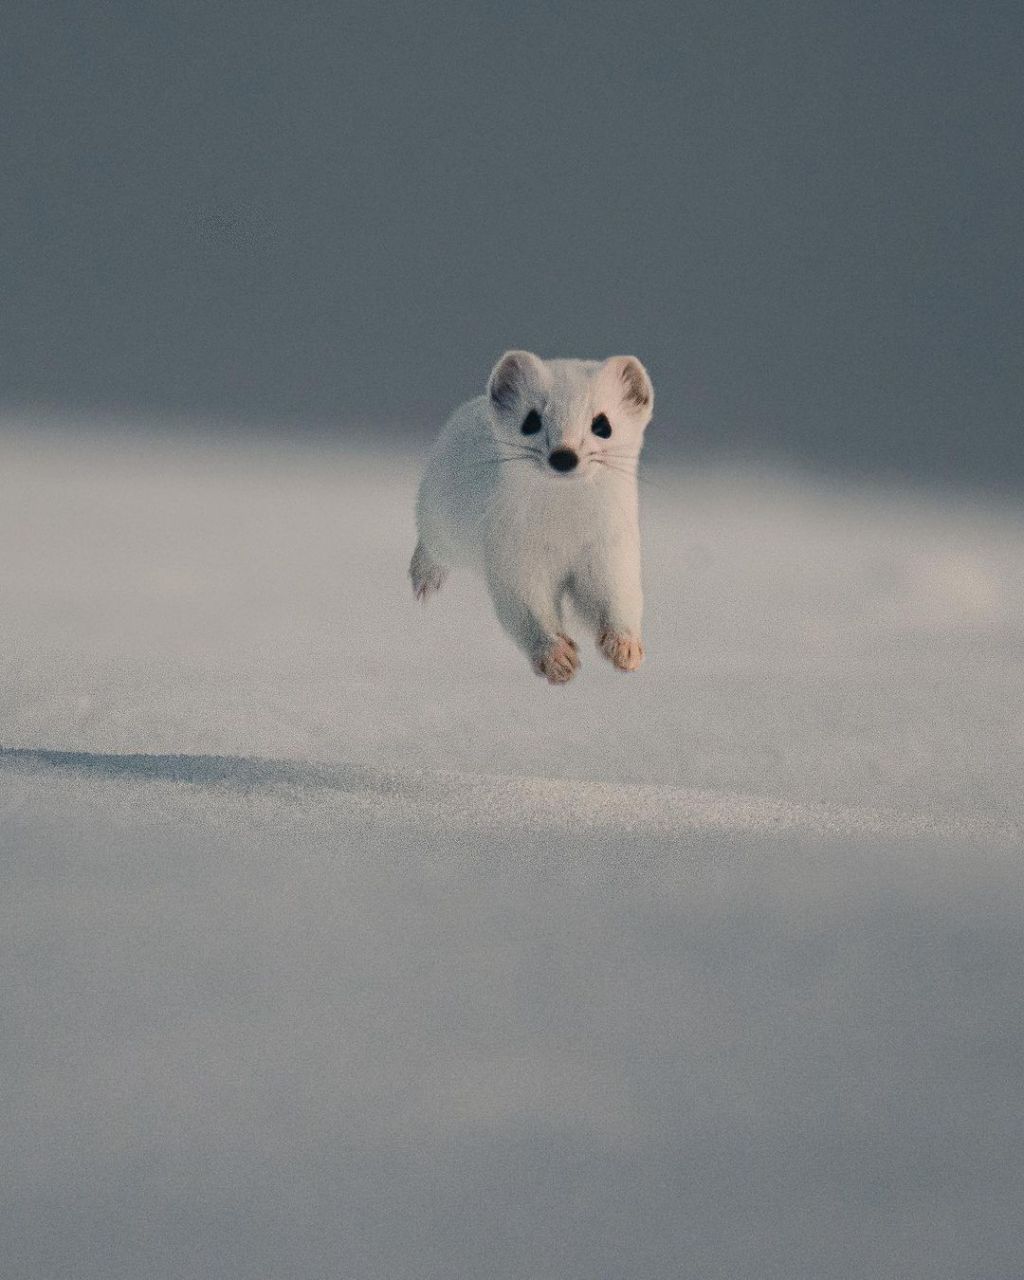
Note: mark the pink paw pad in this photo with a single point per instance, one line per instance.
(623, 650)
(559, 662)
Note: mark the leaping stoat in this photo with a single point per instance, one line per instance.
(534, 485)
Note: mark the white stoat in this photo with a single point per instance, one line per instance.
(534, 485)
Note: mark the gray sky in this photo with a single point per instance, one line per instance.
(805, 218)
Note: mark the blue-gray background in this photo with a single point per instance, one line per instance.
(805, 217)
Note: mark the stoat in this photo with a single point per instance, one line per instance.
(533, 484)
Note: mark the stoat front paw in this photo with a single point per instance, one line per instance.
(558, 662)
(624, 650)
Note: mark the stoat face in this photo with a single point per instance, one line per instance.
(571, 419)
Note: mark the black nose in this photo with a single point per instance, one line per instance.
(563, 459)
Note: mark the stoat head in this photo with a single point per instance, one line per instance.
(572, 419)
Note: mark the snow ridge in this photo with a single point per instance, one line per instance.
(461, 801)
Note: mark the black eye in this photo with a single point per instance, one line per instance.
(531, 423)
(601, 427)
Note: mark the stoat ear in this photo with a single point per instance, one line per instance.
(516, 377)
(625, 380)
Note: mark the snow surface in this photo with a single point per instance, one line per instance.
(337, 944)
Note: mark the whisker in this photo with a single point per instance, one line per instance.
(513, 452)
(629, 472)
(604, 456)
(497, 461)
(612, 466)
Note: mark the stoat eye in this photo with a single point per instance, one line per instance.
(601, 427)
(531, 423)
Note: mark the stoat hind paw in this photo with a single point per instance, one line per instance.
(427, 576)
(623, 650)
(559, 662)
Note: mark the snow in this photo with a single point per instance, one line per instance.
(338, 944)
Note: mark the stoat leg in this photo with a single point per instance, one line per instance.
(608, 595)
(528, 610)
(427, 575)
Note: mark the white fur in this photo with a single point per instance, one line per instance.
(490, 500)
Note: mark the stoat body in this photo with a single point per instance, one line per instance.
(533, 485)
